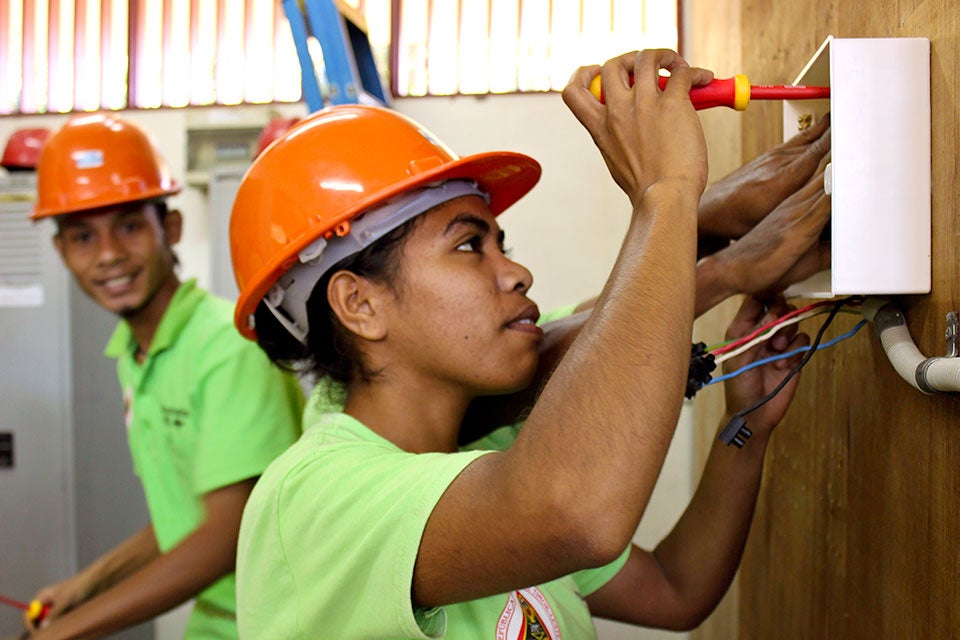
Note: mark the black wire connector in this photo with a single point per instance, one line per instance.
(701, 365)
(736, 432)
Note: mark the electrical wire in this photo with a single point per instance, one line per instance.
(717, 345)
(704, 360)
(767, 335)
(783, 356)
(772, 331)
(726, 345)
(806, 358)
(736, 432)
(825, 303)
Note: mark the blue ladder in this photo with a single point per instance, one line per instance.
(350, 72)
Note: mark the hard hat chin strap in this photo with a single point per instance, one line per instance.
(287, 298)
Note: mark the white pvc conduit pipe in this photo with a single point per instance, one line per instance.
(929, 375)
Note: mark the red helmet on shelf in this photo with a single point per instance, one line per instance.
(273, 130)
(22, 152)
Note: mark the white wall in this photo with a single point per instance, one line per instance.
(567, 230)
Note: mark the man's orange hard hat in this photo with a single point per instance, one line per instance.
(99, 160)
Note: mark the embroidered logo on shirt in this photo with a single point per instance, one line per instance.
(173, 417)
(527, 616)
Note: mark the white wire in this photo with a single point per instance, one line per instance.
(770, 333)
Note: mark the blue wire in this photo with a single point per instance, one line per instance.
(760, 363)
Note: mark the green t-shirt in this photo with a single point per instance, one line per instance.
(330, 536)
(205, 410)
(331, 532)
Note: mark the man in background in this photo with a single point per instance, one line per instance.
(205, 410)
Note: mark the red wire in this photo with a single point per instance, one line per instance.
(755, 333)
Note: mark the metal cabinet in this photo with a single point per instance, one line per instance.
(67, 492)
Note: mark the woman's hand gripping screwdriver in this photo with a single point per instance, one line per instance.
(735, 92)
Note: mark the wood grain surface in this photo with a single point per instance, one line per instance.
(858, 529)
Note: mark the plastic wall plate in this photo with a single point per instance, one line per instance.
(880, 163)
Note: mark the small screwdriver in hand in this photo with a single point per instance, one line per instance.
(735, 92)
(36, 610)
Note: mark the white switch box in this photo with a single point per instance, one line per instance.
(879, 176)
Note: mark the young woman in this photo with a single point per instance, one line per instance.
(365, 247)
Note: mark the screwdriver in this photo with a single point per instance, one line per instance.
(735, 92)
(36, 610)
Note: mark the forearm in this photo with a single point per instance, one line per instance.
(679, 583)
(628, 362)
(168, 580)
(701, 554)
(122, 561)
(716, 217)
(715, 284)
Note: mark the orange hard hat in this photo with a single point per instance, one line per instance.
(273, 130)
(23, 149)
(99, 160)
(331, 167)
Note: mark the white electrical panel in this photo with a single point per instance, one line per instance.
(879, 176)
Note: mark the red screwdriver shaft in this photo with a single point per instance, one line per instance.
(788, 92)
(14, 603)
(36, 610)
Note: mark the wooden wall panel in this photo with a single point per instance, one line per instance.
(857, 531)
(719, 50)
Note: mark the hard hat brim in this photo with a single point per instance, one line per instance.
(100, 203)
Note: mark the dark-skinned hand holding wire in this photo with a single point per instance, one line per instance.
(749, 387)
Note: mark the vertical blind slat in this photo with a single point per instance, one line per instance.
(11, 55)
(32, 94)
